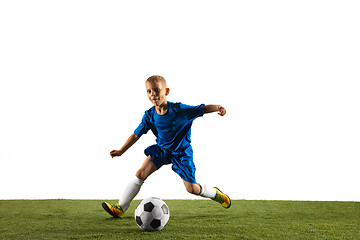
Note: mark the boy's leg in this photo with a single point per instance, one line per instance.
(146, 169)
(212, 193)
(134, 186)
(132, 189)
(200, 190)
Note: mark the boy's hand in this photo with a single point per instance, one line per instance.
(115, 153)
(222, 110)
(129, 142)
(214, 108)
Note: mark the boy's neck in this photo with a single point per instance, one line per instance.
(162, 109)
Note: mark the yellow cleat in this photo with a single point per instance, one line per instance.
(113, 209)
(222, 198)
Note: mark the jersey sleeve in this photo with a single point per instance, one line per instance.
(192, 112)
(144, 126)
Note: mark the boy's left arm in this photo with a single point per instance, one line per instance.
(214, 108)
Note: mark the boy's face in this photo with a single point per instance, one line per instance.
(157, 92)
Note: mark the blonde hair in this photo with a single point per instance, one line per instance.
(157, 78)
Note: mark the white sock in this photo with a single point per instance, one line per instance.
(130, 192)
(207, 192)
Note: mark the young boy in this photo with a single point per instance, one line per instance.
(171, 124)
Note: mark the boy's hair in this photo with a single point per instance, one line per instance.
(157, 78)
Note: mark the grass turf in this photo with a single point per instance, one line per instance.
(189, 219)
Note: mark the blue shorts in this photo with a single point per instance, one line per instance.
(182, 162)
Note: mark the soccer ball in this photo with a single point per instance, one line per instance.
(152, 214)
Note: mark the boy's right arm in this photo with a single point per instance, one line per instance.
(129, 142)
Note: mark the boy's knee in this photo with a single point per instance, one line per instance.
(140, 174)
(193, 189)
(146, 170)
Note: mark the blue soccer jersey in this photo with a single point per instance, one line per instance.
(173, 129)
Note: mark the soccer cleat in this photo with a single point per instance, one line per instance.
(222, 198)
(113, 209)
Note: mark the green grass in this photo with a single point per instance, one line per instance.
(189, 219)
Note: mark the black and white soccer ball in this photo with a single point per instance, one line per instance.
(152, 214)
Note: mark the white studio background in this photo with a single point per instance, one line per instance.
(72, 89)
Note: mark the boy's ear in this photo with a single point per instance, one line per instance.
(167, 91)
